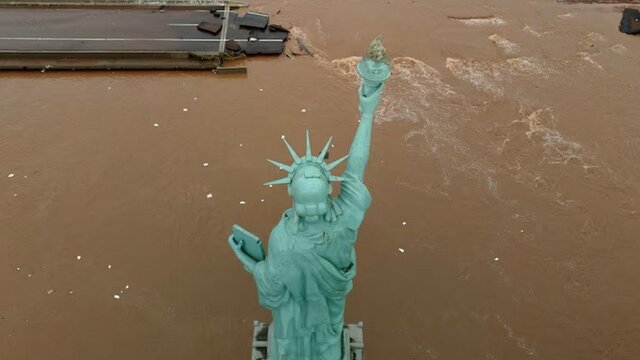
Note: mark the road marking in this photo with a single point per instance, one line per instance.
(182, 24)
(125, 39)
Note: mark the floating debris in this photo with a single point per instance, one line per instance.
(17, 269)
(261, 90)
(521, 230)
(79, 257)
(261, 200)
(126, 287)
(11, 175)
(116, 296)
(404, 223)
(50, 291)
(71, 292)
(109, 88)
(185, 109)
(240, 145)
(282, 137)
(496, 259)
(109, 267)
(205, 164)
(401, 250)
(209, 196)
(242, 202)
(15, 194)
(156, 125)
(195, 98)
(303, 110)
(29, 275)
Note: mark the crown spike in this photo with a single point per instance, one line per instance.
(282, 181)
(336, 163)
(324, 151)
(295, 156)
(281, 166)
(308, 154)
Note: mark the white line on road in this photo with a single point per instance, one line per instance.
(182, 24)
(125, 39)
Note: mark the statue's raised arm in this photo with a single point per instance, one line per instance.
(374, 70)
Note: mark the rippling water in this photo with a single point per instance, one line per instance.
(504, 165)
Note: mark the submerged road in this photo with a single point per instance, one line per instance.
(84, 30)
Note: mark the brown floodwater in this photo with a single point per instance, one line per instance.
(504, 172)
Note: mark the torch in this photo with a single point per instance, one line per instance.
(374, 68)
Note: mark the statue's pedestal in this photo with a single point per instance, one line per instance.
(352, 342)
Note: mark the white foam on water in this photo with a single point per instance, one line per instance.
(618, 49)
(482, 76)
(559, 150)
(520, 342)
(508, 47)
(529, 30)
(589, 59)
(492, 76)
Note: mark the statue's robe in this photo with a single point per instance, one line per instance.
(306, 276)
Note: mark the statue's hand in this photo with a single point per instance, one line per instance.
(236, 245)
(369, 103)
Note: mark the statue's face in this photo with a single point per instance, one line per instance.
(310, 191)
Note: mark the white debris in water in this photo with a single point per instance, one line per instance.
(156, 125)
(205, 164)
(521, 230)
(270, 185)
(261, 90)
(121, 291)
(242, 202)
(11, 175)
(79, 257)
(109, 266)
(261, 200)
(209, 196)
(333, 145)
(185, 109)
(195, 98)
(240, 145)
(15, 194)
(281, 136)
(483, 21)
(404, 223)
(117, 297)
(496, 259)
(50, 291)
(401, 250)
(126, 287)
(17, 269)
(71, 292)
(109, 88)
(29, 275)
(303, 110)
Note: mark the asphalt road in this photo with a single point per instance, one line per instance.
(112, 30)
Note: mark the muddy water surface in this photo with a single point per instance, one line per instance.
(504, 172)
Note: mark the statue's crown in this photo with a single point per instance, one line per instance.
(306, 160)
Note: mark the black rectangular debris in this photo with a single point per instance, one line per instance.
(630, 23)
(254, 20)
(264, 47)
(210, 27)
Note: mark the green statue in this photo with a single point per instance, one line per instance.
(311, 262)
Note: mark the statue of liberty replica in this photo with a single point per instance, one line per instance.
(311, 262)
